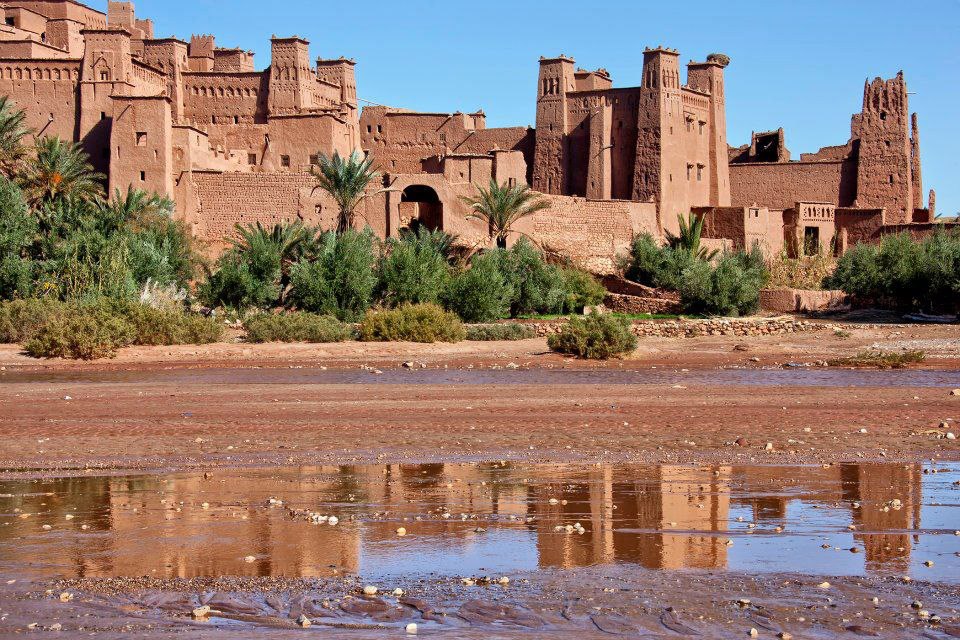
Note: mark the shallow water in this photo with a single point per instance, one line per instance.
(791, 376)
(485, 519)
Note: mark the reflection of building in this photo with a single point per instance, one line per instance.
(631, 518)
(669, 516)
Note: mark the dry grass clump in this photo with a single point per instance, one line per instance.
(807, 272)
(880, 359)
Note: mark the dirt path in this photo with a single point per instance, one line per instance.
(191, 422)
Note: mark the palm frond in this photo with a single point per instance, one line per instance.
(346, 180)
(61, 170)
(13, 129)
(502, 206)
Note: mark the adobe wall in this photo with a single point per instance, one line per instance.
(780, 185)
(592, 233)
(47, 92)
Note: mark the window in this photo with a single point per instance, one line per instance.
(443, 137)
(689, 170)
(103, 115)
(236, 119)
(883, 115)
(104, 75)
(891, 178)
(213, 119)
(251, 158)
(284, 161)
(701, 123)
(369, 128)
(143, 176)
(379, 128)
(315, 159)
(699, 172)
(12, 22)
(141, 138)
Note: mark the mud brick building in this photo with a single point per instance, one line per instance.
(232, 144)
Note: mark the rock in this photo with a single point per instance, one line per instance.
(768, 446)
(741, 442)
(928, 563)
(401, 531)
(56, 626)
(408, 365)
(955, 392)
(303, 621)
(201, 613)
(398, 592)
(916, 604)
(753, 633)
(332, 520)
(412, 628)
(504, 580)
(863, 430)
(66, 596)
(950, 436)
(250, 559)
(783, 635)
(369, 590)
(824, 585)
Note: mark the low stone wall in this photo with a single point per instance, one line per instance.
(787, 300)
(621, 303)
(685, 328)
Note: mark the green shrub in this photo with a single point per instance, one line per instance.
(17, 232)
(582, 290)
(731, 288)
(411, 323)
(84, 332)
(244, 279)
(595, 336)
(339, 280)
(489, 332)
(536, 287)
(296, 327)
(413, 269)
(20, 319)
(904, 274)
(654, 266)
(162, 327)
(480, 293)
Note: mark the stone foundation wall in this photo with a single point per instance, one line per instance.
(686, 328)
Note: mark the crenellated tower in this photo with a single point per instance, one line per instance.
(291, 79)
(556, 80)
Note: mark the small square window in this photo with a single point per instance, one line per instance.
(284, 161)
(11, 22)
(141, 138)
(104, 75)
(251, 158)
(315, 159)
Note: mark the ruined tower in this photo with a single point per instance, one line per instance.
(885, 168)
(549, 164)
(708, 78)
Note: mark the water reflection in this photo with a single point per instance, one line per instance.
(475, 518)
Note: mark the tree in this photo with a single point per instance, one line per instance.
(289, 241)
(502, 206)
(688, 239)
(61, 170)
(346, 179)
(13, 130)
(137, 209)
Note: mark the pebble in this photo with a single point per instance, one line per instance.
(955, 392)
(753, 633)
(401, 531)
(928, 563)
(951, 435)
(398, 592)
(332, 520)
(200, 613)
(66, 596)
(824, 585)
(412, 628)
(303, 621)
(369, 590)
(249, 559)
(916, 604)
(768, 447)
(504, 580)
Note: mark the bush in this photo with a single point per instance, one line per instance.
(412, 323)
(162, 327)
(655, 266)
(17, 232)
(20, 319)
(732, 288)
(339, 280)
(480, 293)
(536, 287)
(244, 279)
(84, 332)
(413, 270)
(595, 336)
(582, 290)
(488, 332)
(296, 327)
(904, 274)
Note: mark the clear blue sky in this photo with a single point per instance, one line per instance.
(798, 64)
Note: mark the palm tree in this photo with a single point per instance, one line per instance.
(502, 206)
(61, 170)
(688, 240)
(13, 130)
(137, 209)
(289, 241)
(346, 179)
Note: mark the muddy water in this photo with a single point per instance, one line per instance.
(485, 519)
(790, 376)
